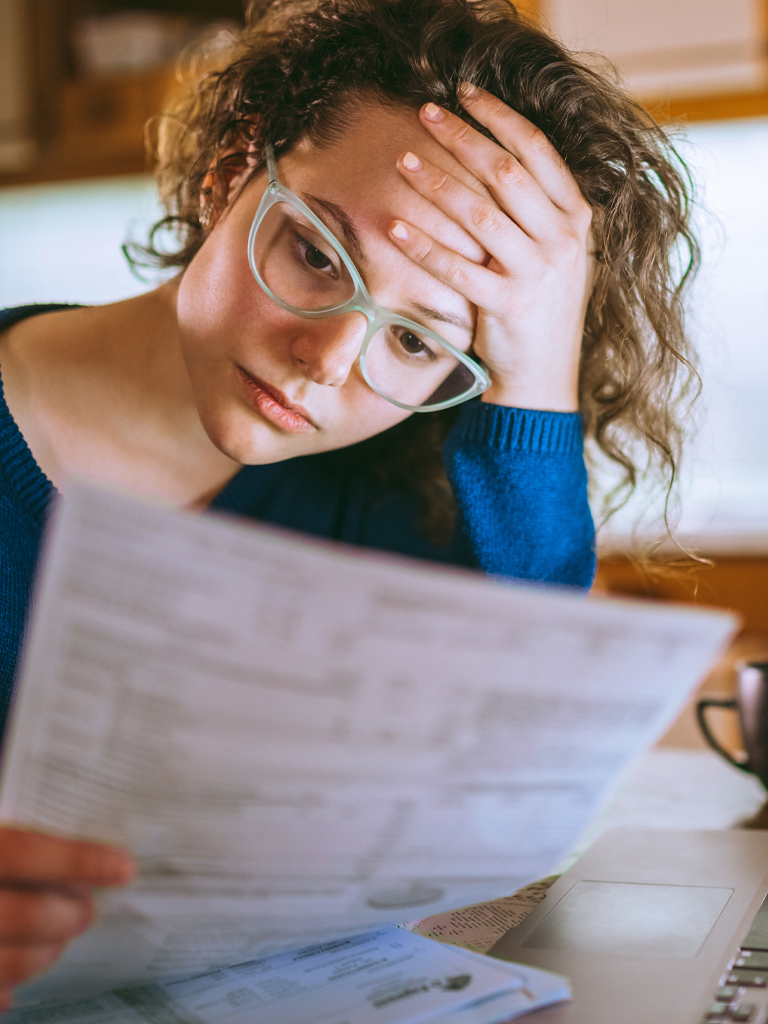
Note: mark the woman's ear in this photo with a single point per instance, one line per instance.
(225, 178)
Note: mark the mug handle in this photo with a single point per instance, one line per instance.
(729, 705)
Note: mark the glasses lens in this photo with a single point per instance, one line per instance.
(298, 264)
(415, 369)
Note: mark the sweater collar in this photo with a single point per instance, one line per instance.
(24, 481)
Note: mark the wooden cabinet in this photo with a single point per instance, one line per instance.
(17, 137)
(85, 125)
(683, 59)
(725, 582)
(102, 120)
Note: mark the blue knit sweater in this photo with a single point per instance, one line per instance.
(518, 477)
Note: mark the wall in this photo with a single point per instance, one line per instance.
(669, 47)
(725, 483)
(61, 243)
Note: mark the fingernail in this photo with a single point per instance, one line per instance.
(469, 91)
(399, 230)
(119, 867)
(411, 162)
(433, 113)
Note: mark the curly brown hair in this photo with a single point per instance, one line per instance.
(294, 72)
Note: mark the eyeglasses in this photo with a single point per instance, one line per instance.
(305, 270)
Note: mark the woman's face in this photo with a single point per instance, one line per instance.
(270, 385)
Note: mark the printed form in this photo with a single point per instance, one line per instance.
(383, 977)
(300, 741)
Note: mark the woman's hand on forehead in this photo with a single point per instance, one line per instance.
(532, 294)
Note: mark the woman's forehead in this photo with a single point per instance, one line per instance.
(358, 172)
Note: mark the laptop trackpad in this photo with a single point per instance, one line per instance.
(631, 919)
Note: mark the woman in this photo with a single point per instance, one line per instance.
(383, 208)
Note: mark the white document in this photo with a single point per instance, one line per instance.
(298, 740)
(383, 977)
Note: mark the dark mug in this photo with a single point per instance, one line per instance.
(751, 704)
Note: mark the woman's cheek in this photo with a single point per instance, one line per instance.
(217, 290)
(365, 414)
(225, 318)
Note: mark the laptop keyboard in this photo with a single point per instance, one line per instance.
(742, 994)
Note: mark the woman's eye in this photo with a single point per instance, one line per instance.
(315, 258)
(412, 343)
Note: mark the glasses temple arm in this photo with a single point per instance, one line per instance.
(269, 153)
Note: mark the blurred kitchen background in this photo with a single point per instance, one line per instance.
(79, 80)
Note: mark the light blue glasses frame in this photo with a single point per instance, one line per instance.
(361, 301)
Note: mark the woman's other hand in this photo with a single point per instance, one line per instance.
(45, 898)
(532, 292)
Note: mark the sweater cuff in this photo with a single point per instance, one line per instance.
(518, 430)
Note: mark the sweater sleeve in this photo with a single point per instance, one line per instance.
(518, 477)
(520, 483)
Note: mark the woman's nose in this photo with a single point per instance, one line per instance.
(327, 349)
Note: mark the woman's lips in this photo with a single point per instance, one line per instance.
(275, 407)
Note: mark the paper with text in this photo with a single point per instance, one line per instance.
(480, 926)
(298, 740)
(384, 977)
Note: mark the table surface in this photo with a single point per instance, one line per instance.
(667, 788)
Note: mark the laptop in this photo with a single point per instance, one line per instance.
(655, 926)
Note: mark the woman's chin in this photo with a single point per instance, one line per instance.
(251, 440)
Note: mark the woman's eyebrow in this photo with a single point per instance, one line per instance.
(444, 318)
(351, 237)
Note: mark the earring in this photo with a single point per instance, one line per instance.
(206, 204)
(206, 213)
